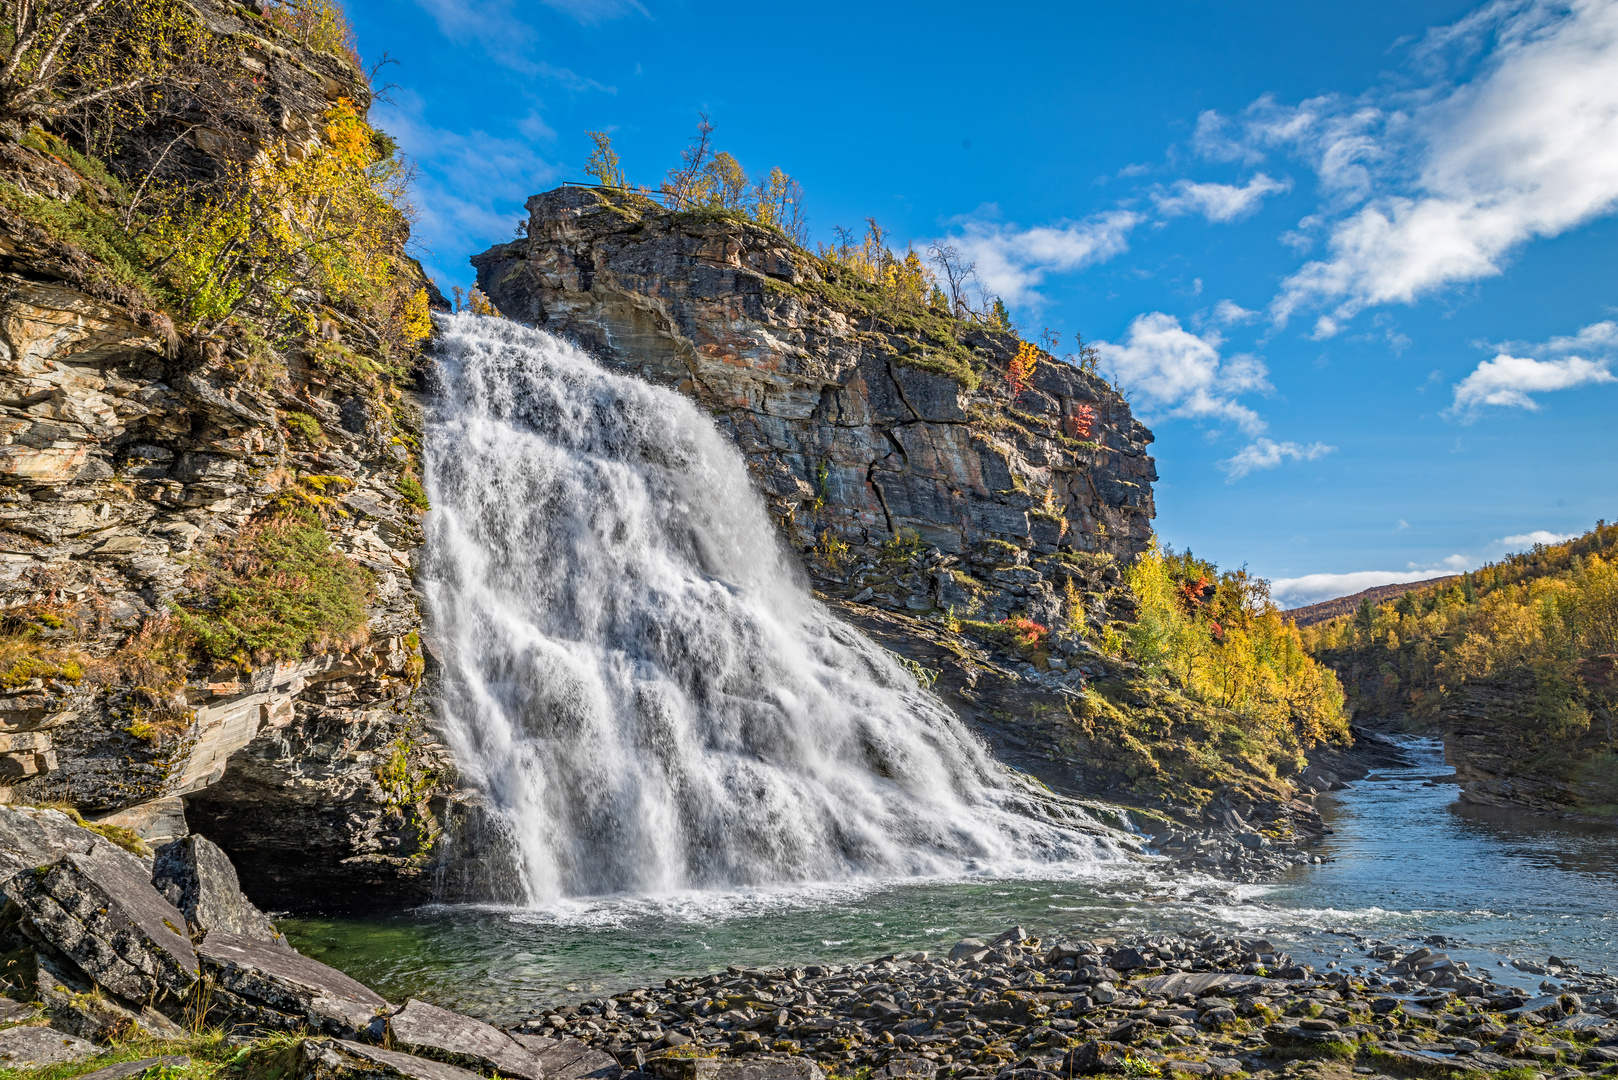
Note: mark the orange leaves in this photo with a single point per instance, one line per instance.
(1027, 633)
(1082, 423)
(1022, 367)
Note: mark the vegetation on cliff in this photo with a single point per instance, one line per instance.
(156, 162)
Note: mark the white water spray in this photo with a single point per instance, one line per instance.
(638, 680)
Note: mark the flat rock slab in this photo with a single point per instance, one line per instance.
(337, 1059)
(1199, 983)
(30, 837)
(277, 987)
(135, 1068)
(101, 910)
(13, 1011)
(791, 1068)
(570, 1059)
(34, 1047)
(428, 1031)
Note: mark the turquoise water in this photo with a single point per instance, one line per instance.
(1407, 862)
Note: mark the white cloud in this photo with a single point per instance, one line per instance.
(1508, 381)
(1216, 202)
(1523, 541)
(1440, 185)
(1011, 262)
(1179, 373)
(510, 41)
(1268, 454)
(1230, 313)
(1313, 588)
(591, 12)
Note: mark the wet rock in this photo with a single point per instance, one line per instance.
(198, 878)
(261, 984)
(100, 910)
(428, 1031)
(37, 1047)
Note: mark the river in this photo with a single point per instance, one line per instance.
(1406, 861)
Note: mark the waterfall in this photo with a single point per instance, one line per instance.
(636, 675)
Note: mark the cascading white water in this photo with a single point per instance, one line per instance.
(638, 679)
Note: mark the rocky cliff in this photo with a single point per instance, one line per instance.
(131, 454)
(864, 426)
(975, 527)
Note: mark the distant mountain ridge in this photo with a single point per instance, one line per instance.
(1346, 605)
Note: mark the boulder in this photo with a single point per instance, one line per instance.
(428, 1031)
(1094, 1057)
(156, 821)
(100, 910)
(199, 879)
(569, 1059)
(338, 1059)
(261, 984)
(37, 1047)
(789, 1068)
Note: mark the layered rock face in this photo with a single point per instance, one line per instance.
(127, 448)
(848, 421)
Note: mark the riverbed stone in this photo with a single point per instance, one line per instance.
(428, 1031)
(570, 1059)
(786, 1068)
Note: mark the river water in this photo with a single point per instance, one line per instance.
(1406, 861)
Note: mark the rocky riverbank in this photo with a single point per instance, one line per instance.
(121, 957)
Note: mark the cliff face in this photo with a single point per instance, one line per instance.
(858, 424)
(128, 451)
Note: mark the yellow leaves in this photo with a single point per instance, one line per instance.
(604, 164)
(1022, 366)
(416, 321)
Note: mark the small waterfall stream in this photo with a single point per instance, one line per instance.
(639, 680)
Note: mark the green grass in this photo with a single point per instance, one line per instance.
(120, 260)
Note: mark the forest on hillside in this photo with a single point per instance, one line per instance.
(1543, 623)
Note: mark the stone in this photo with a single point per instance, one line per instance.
(37, 1047)
(77, 1006)
(968, 947)
(1128, 959)
(100, 910)
(1093, 1057)
(135, 1068)
(199, 879)
(30, 837)
(428, 1031)
(261, 983)
(788, 1068)
(569, 1059)
(1200, 983)
(338, 1059)
(156, 821)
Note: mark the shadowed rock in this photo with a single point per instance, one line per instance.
(199, 879)
(794, 1068)
(337, 1059)
(570, 1059)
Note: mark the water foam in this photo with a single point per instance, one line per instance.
(637, 677)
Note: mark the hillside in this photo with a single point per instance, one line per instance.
(1326, 610)
(1512, 663)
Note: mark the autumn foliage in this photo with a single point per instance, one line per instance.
(1022, 366)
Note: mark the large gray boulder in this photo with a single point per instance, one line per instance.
(99, 910)
(261, 984)
(73, 1004)
(32, 837)
(428, 1031)
(198, 878)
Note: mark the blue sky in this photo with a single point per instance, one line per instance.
(1354, 264)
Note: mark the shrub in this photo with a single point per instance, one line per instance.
(414, 494)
